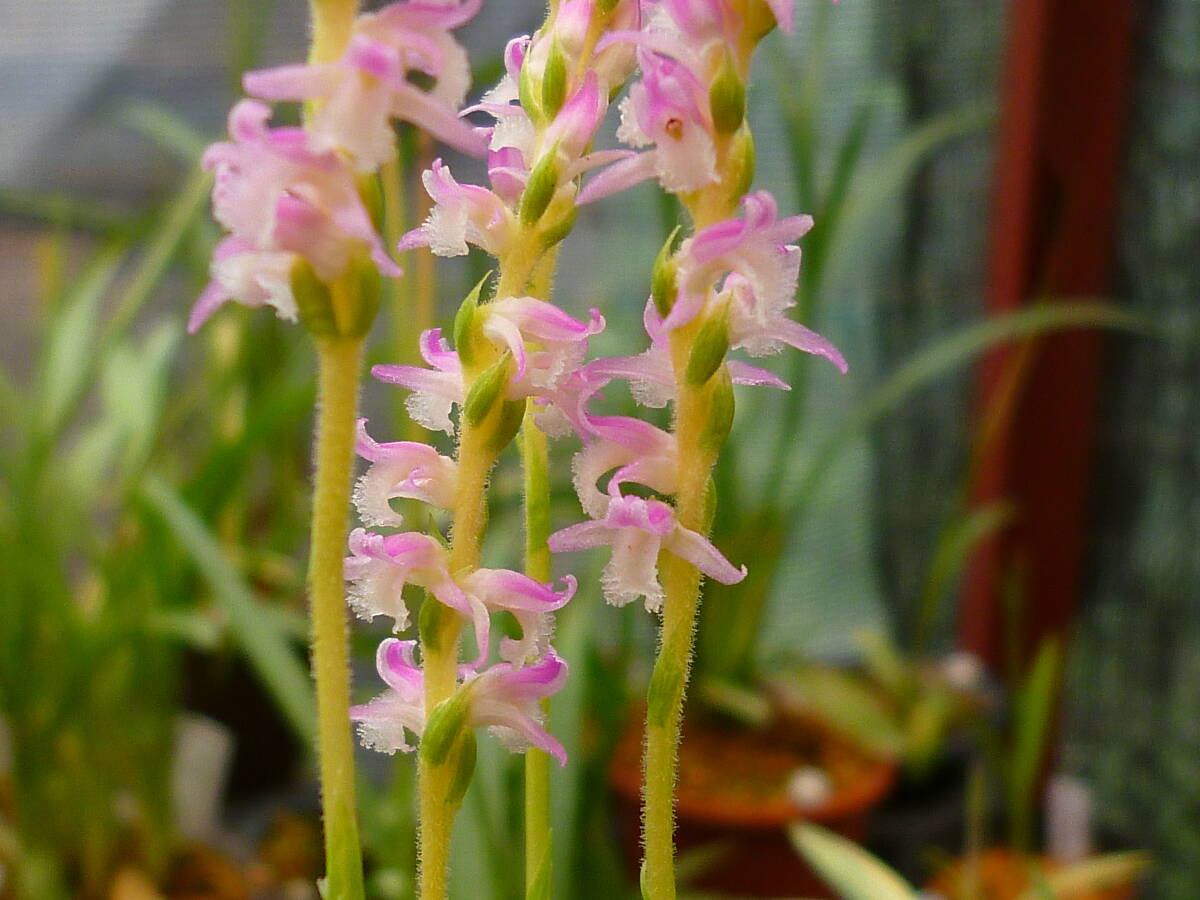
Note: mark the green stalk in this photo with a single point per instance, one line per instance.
(339, 361)
(439, 647)
(535, 459)
(681, 586)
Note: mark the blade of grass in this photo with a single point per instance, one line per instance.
(69, 355)
(1032, 714)
(161, 125)
(849, 869)
(944, 355)
(268, 648)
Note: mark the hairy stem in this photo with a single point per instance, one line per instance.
(535, 459)
(339, 364)
(440, 649)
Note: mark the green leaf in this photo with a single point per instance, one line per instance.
(947, 353)
(1033, 708)
(165, 128)
(1095, 874)
(874, 188)
(71, 343)
(256, 630)
(950, 556)
(849, 869)
(850, 707)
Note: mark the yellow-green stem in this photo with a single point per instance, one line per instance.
(681, 589)
(535, 459)
(332, 22)
(440, 658)
(339, 364)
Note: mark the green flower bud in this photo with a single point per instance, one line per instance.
(429, 623)
(663, 284)
(560, 229)
(487, 389)
(721, 408)
(708, 352)
(508, 423)
(465, 327)
(554, 81)
(313, 300)
(527, 95)
(539, 190)
(365, 290)
(445, 727)
(727, 99)
(463, 760)
(741, 164)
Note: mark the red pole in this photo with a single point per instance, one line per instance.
(1064, 95)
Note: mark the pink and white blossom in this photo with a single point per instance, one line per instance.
(402, 469)
(381, 565)
(250, 276)
(638, 451)
(529, 601)
(357, 97)
(275, 192)
(462, 214)
(436, 390)
(507, 699)
(637, 529)
(385, 721)
(504, 698)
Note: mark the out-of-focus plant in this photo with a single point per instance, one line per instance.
(857, 875)
(102, 520)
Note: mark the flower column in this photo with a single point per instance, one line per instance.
(727, 286)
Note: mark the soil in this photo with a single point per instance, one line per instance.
(733, 796)
(1004, 875)
(733, 774)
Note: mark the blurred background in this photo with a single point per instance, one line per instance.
(978, 552)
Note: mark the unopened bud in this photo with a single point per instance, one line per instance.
(663, 284)
(313, 301)
(364, 289)
(507, 424)
(429, 622)
(727, 99)
(445, 727)
(559, 229)
(462, 758)
(527, 95)
(722, 405)
(708, 352)
(554, 81)
(539, 190)
(741, 164)
(487, 389)
(465, 328)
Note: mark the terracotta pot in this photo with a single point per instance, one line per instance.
(1004, 875)
(733, 793)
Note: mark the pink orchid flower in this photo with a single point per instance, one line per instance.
(639, 451)
(362, 92)
(252, 277)
(274, 191)
(403, 469)
(529, 601)
(504, 698)
(507, 699)
(638, 529)
(381, 565)
(384, 722)
(436, 390)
